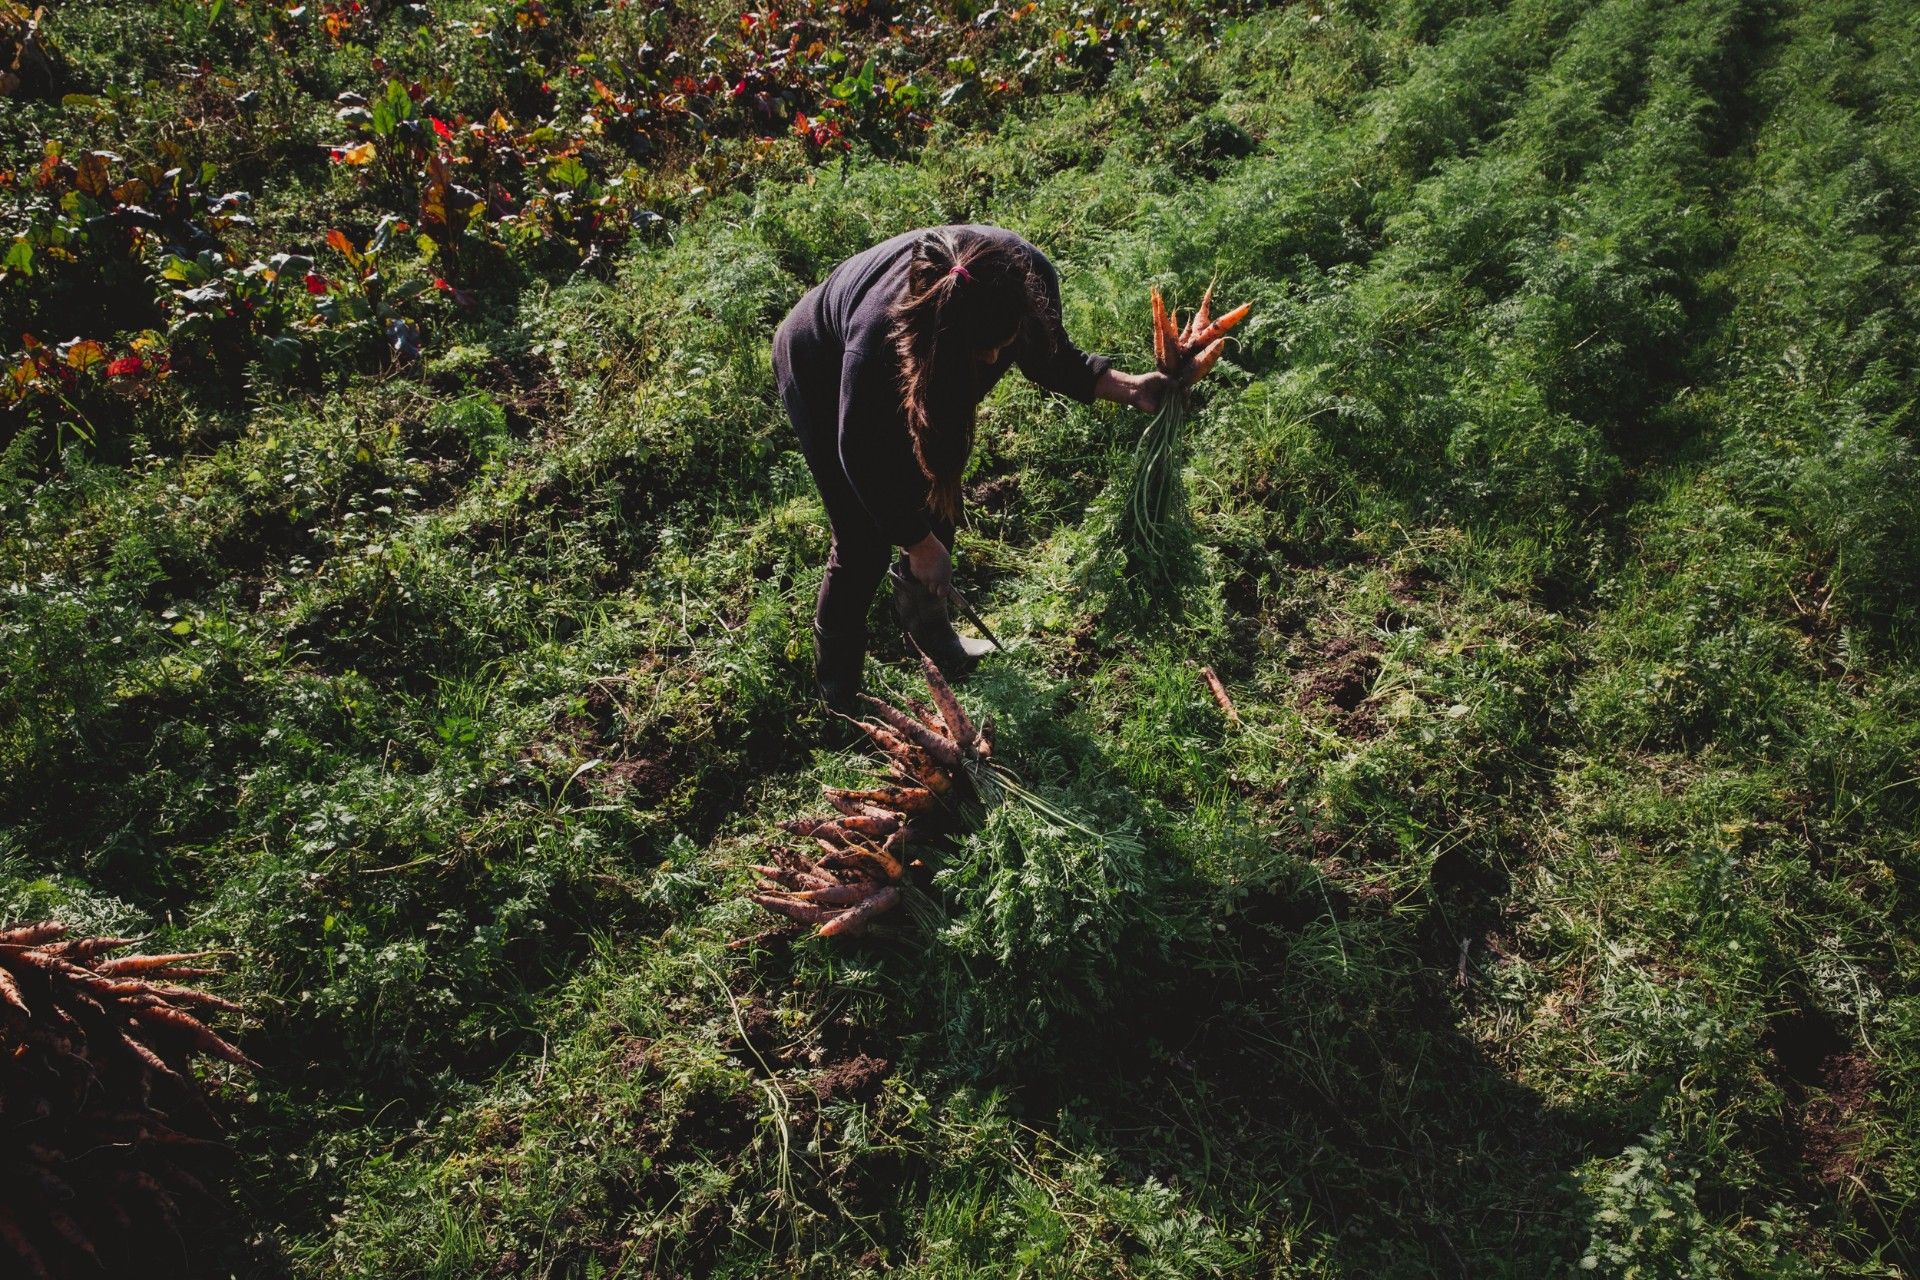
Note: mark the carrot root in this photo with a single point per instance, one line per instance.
(855, 919)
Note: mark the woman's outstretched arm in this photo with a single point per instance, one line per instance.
(1141, 391)
(1054, 362)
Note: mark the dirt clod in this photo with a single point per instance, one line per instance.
(858, 1078)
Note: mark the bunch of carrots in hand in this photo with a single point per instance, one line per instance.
(1149, 522)
(1186, 353)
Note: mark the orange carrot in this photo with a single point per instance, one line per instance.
(1224, 323)
(84, 949)
(123, 965)
(958, 726)
(855, 919)
(890, 743)
(1204, 361)
(839, 895)
(805, 912)
(778, 879)
(801, 869)
(870, 828)
(153, 994)
(925, 714)
(919, 770)
(151, 1060)
(882, 855)
(1220, 695)
(1161, 353)
(32, 935)
(1199, 320)
(859, 808)
(910, 801)
(10, 992)
(203, 1039)
(943, 751)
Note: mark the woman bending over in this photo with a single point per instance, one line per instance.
(881, 367)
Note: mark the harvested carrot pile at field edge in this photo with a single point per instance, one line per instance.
(861, 860)
(101, 1119)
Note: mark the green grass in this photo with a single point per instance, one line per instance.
(1549, 910)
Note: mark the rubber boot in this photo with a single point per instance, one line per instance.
(839, 659)
(924, 618)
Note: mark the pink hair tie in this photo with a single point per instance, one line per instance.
(957, 270)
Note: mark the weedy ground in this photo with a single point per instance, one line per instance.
(1557, 524)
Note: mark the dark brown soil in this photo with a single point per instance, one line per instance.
(858, 1078)
(641, 778)
(1407, 585)
(1830, 1132)
(1343, 673)
(996, 494)
(635, 1055)
(1339, 678)
(764, 1031)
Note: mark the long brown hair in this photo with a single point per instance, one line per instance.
(966, 293)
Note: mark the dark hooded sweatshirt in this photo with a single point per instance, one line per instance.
(840, 378)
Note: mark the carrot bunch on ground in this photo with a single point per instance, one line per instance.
(859, 861)
(1155, 502)
(102, 1121)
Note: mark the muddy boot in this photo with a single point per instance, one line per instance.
(925, 620)
(838, 660)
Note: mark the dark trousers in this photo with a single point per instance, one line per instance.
(809, 386)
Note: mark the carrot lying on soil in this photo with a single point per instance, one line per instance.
(854, 919)
(32, 935)
(780, 880)
(870, 828)
(804, 912)
(203, 1038)
(959, 728)
(885, 856)
(84, 950)
(913, 802)
(148, 964)
(801, 868)
(889, 742)
(919, 770)
(944, 751)
(1219, 692)
(840, 895)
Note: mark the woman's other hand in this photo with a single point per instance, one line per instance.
(931, 565)
(1141, 391)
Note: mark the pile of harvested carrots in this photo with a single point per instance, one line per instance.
(860, 859)
(102, 1122)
